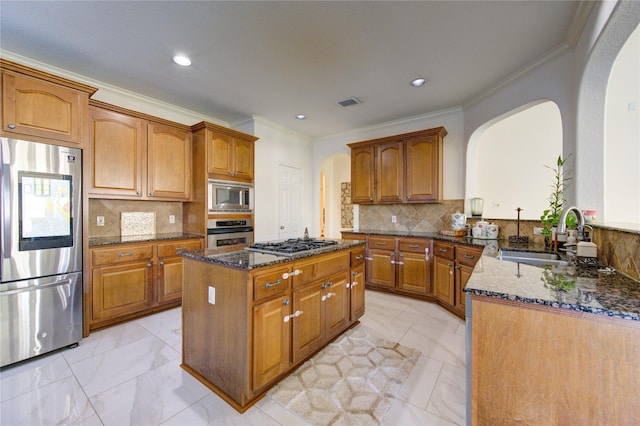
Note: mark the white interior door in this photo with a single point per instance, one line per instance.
(290, 203)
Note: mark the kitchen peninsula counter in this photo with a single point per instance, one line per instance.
(551, 344)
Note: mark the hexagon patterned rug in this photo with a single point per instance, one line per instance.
(350, 382)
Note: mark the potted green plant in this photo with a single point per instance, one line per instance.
(551, 215)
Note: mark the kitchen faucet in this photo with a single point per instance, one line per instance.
(562, 222)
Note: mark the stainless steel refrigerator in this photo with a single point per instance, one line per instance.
(41, 243)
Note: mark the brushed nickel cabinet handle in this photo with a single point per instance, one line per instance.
(125, 254)
(11, 126)
(269, 285)
(468, 256)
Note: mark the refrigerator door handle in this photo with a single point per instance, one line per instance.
(35, 287)
(5, 191)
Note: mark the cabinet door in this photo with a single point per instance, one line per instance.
(443, 278)
(308, 330)
(357, 292)
(336, 304)
(39, 108)
(243, 160)
(389, 172)
(121, 290)
(422, 181)
(380, 270)
(169, 162)
(220, 155)
(362, 175)
(463, 273)
(117, 154)
(271, 341)
(169, 279)
(414, 273)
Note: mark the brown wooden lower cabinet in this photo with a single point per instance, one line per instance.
(452, 267)
(538, 365)
(266, 321)
(129, 280)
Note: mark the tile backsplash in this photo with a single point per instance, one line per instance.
(619, 249)
(112, 209)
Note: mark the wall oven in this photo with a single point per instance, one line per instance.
(230, 196)
(229, 231)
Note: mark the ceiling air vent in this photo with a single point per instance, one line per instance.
(349, 102)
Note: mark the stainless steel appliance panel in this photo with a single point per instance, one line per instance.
(41, 219)
(39, 315)
(226, 196)
(229, 231)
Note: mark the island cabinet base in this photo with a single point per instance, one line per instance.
(539, 365)
(240, 327)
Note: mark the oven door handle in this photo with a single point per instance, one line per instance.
(230, 230)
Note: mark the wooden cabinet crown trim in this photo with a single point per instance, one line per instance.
(441, 131)
(45, 76)
(139, 115)
(221, 129)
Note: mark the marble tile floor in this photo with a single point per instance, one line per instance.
(130, 375)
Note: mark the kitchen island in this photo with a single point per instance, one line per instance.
(552, 344)
(250, 318)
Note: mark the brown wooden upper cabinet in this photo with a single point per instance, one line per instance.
(229, 153)
(404, 168)
(134, 158)
(43, 107)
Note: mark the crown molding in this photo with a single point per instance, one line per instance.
(578, 22)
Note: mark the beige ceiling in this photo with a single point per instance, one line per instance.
(278, 59)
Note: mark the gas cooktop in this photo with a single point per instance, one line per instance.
(291, 246)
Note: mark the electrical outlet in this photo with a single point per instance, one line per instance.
(172, 218)
(100, 220)
(393, 219)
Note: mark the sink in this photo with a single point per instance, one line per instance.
(534, 258)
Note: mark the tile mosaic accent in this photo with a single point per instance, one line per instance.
(137, 223)
(619, 249)
(409, 217)
(111, 210)
(346, 207)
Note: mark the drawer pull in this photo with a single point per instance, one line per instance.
(359, 257)
(397, 263)
(353, 284)
(381, 243)
(414, 245)
(368, 258)
(181, 248)
(161, 262)
(269, 285)
(125, 254)
(354, 273)
(426, 253)
(443, 250)
(11, 126)
(469, 256)
(296, 314)
(149, 265)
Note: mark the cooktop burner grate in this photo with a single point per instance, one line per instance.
(290, 246)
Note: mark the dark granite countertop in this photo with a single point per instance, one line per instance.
(595, 289)
(117, 239)
(240, 258)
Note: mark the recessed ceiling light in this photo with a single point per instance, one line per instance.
(301, 116)
(418, 82)
(182, 60)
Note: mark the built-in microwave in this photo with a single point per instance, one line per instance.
(227, 196)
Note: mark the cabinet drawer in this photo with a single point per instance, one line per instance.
(413, 246)
(271, 283)
(357, 257)
(172, 248)
(121, 254)
(319, 267)
(444, 250)
(468, 256)
(381, 243)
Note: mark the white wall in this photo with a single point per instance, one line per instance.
(277, 145)
(507, 168)
(337, 169)
(622, 136)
